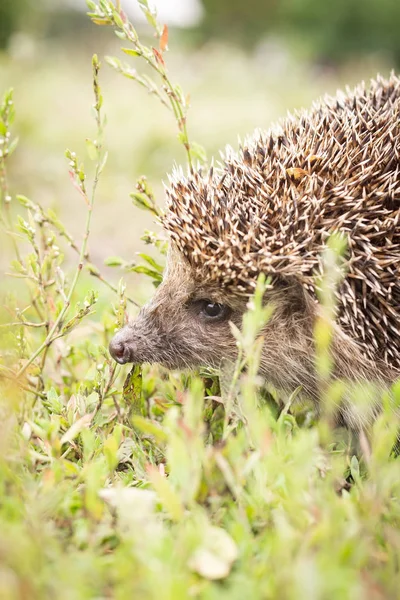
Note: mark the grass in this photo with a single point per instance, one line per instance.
(162, 486)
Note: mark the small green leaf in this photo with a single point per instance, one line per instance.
(166, 493)
(117, 20)
(93, 270)
(114, 261)
(198, 151)
(142, 269)
(18, 267)
(121, 35)
(54, 402)
(141, 201)
(100, 20)
(131, 52)
(151, 262)
(110, 448)
(91, 149)
(113, 62)
(25, 201)
(149, 427)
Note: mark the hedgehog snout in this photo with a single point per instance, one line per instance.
(121, 346)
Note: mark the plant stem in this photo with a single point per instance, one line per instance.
(174, 101)
(58, 321)
(113, 287)
(52, 334)
(23, 324)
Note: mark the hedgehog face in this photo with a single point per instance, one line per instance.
(186, 324)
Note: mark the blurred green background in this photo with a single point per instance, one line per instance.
(244, 65)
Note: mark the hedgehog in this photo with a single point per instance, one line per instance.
(270, 208)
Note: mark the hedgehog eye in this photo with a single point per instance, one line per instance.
(214, 311)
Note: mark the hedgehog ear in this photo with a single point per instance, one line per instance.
(175, 260)
(294, 294)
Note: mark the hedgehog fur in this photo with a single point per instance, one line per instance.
(271, 207)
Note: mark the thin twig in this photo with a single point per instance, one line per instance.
(24, 324)
(107, 388)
